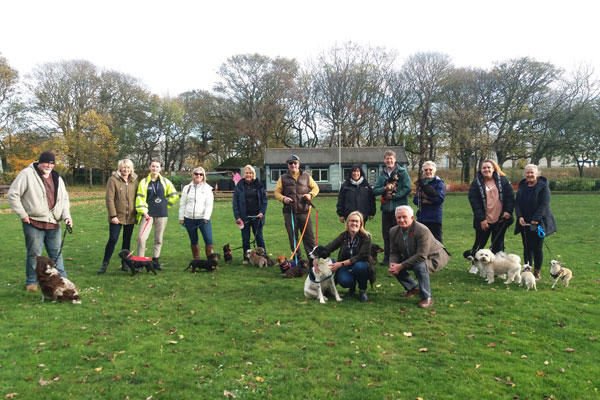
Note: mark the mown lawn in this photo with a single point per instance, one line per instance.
(245, 333)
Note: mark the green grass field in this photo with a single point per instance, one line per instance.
(241, 332)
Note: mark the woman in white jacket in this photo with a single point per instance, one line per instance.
(195, 209)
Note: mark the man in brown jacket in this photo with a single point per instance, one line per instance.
(412, 246)
(295, 189)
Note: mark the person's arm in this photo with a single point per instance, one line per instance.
(263, 200)
(183, 202)
(209, 202)
(379, 185)
(314, 188)
(476, 204)
(440, 188)
(66, 211)
(509, 197)
(16, 190)
(110, 199)
(403, 187)
(278, 193)
(543, 204)
(340, 202)
(372, 206)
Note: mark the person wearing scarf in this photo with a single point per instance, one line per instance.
(429, 198)
(356, 195)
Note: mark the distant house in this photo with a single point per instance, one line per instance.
(323, 163)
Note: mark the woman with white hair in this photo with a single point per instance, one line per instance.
(195, 210)
(249, 208)
(429, 198)
(532, 207)
(120, 203)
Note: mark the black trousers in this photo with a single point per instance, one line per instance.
(436, 229)
(533, 248)
(497, 230)
(114, 232)
(388, 221)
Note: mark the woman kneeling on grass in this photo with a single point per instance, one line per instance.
(352, 265)
(195, 209)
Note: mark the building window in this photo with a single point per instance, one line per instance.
(320, 175)
(346, 173)
(276, 173)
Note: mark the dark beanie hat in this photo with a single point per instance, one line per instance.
(47, 156)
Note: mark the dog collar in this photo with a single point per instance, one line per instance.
(556, 275)
(311, 275)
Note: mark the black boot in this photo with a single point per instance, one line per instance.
(157, 264)
(103, 268)
(362, 296)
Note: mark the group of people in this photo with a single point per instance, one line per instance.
(39, 197)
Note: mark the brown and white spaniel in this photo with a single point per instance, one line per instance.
(52, 284)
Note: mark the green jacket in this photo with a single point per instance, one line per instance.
(141, 205)
(403, 188)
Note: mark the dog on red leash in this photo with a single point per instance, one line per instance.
(137, 264)
(52, 284)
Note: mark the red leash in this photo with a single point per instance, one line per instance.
(137, 258)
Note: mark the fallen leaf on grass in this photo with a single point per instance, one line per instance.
(11, 395)
(569, 350)
(259, 379)
(330, 344)
(28, 378)
(228, 394)
(172, 342)
(546, 362)
(42, 382)
(407, 334)
(338, 377)
(593, 339)
(523, 356)
(423, 350)
(540, 373)
(471, 336)
(116, 378)
(498, 379)
(493, 344)
(477, 366)
(99, 369)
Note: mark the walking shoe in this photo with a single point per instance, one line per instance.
(411, 293)
(103, 268)
(362, 296)
(426, 303)
(31, 288)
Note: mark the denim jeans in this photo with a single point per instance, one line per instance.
(114, 230)
(34, 240)
(256, 224)
(349, 275)
(422, 275)
(192, 226)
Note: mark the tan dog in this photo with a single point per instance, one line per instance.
(558, 272)
(255, 259)
(528, 278)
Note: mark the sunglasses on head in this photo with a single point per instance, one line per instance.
(198, 174)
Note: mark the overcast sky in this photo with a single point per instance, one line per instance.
(177, 45)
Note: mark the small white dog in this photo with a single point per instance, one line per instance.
(528, 278)
(491, 264)
(322, 277)
(557, 271)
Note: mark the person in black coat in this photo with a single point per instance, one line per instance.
(356, 195)
(532, 208)
(249, 208)
(492, 199)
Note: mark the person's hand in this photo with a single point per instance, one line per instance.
(205, 221)
(394, 268)
(522, 221)
(371, 216)
(308, 196)
(506, 215)
(336, 265)
(260, 215)
(69, 222)
(180, 222)
(534, 223)
(239, 221)
(316, 266)
(26, 220)
(341, 219)
(287, 200)
(484, 225)
(114, 220)
(146, 216)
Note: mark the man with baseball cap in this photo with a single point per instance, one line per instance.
(39, 197)
(295, 189)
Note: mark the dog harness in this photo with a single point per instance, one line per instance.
(556, 276)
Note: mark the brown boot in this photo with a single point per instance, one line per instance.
(208, 250)
(196, 251)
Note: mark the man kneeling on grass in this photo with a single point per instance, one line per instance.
(412, 246)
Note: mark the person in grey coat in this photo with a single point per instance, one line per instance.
(413, 247)
(39, 197)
